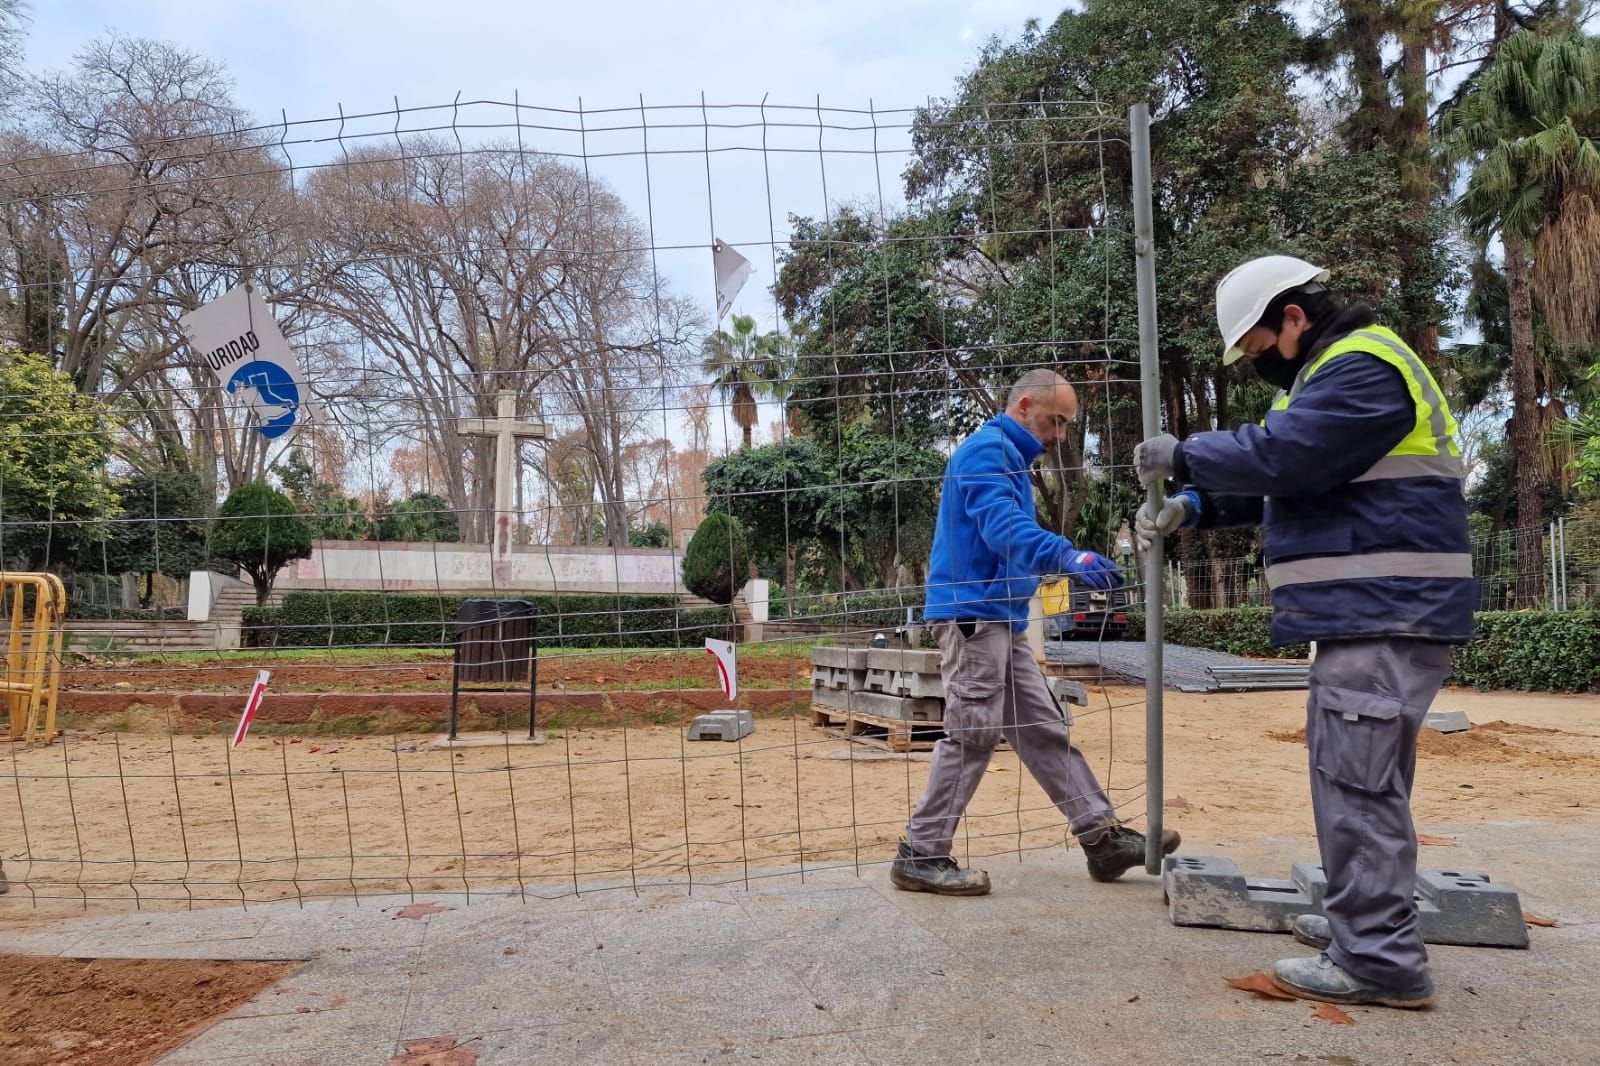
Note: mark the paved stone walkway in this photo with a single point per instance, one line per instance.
(1051, 968)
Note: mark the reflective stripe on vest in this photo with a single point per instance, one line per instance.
(1358, 567)
(1430, 449)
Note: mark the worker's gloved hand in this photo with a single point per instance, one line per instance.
(1176, 512)
(1091, 569)
(1154, 459)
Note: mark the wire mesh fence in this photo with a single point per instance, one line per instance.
(1565, 566)
(532, 350)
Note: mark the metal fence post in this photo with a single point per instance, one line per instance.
(1144, 246)
(1561, 527)
(1555, 586)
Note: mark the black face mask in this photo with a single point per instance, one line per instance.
(1274, 369)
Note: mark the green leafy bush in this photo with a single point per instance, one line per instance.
(1543, 651)
(716, 561)
(1531, 651)
(377, 619)
(849, 610)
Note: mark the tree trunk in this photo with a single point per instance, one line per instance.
(1525, 424)
(1412, 144)
(261, 578)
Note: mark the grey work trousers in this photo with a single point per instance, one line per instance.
(1368, 699)
(993, 687)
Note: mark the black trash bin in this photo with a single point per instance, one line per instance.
(496, 643)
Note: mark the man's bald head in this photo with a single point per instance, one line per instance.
(1044, 404)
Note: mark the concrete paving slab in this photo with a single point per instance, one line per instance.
(1050, 968)
(197, 1054)
(496, 991)
(286, 1034)
(831, 1048)
(584, 1043)
(714, 1008)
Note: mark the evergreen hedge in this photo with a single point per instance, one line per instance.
(1530, 651)
(379, 619)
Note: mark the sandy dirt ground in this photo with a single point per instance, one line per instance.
(115, 1012)
(121, 820)
(418, 671)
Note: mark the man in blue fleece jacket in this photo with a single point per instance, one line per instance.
(988, 553)
(1355, 475)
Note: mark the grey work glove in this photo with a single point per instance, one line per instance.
(1149, 523)
(1153, 459)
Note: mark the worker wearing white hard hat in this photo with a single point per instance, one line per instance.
(1244, 295)
(1355, 476)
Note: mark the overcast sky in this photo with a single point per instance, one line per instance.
(309, 58)
(308, 55)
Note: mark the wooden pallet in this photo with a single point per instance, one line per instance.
(890, 734)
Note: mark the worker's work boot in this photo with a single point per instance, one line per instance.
(1313, 931)
(1321, 978)
(938, 874)
(1116, 849)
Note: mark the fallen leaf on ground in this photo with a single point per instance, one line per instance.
(1436, 842)
(420, 910)
(1178, 803)
(1260, 984)
(1533, 919)
(1329, 1013)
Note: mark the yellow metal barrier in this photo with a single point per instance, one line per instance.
(32, 657)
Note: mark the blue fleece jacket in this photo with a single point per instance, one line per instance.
(988, 546)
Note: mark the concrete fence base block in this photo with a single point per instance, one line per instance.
(880, 705)
(1447, 721)
(902, 660)
(905, 683)
(1455, 907)
(835, 677)
(1069, 692)
(840, 658)
(722, 725)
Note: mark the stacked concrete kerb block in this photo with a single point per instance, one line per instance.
(892, 683)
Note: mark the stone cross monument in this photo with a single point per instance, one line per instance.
(507, 430)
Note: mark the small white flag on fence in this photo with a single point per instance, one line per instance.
(732, 270)
(257, 692)
(727, 665)
(237, 338)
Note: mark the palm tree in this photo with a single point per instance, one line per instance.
(1525, 127)
(744, 366)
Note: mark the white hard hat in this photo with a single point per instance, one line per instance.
(1243, 296)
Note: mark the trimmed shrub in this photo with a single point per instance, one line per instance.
(855, 610)
(716, 561)
(1544, 651)
(377, 619)
(1530, 651)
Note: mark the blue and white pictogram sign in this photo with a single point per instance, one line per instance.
(236, 337)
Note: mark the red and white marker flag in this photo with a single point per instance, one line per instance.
(727, 666)
(252, 705)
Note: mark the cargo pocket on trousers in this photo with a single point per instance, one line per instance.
(1358, 742)
(979, 673)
